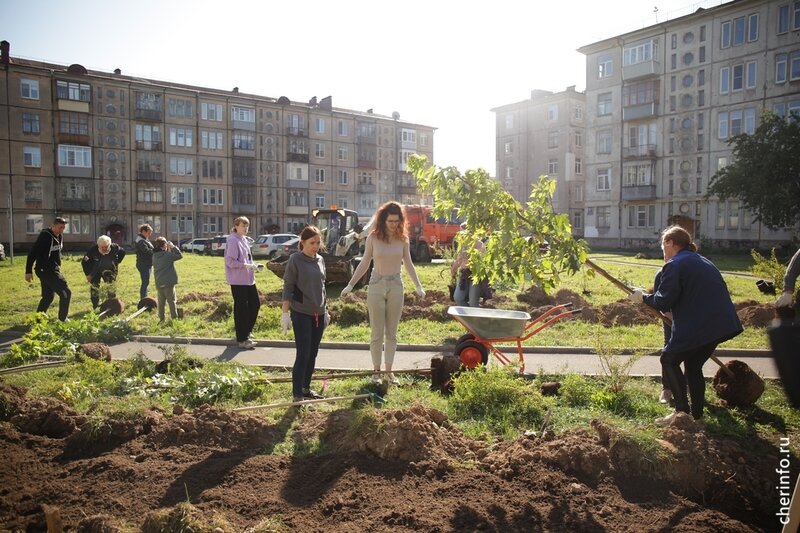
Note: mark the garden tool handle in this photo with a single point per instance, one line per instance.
(652, 311)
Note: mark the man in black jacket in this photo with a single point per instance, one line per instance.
(46, 253)
(100, 264)
(144, 257)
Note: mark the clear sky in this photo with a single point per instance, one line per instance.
(442, 63)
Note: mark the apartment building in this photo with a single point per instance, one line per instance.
(109, 152)
(544, 135)
(662, 103)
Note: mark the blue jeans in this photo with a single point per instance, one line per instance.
(144, 272)
(308, 331)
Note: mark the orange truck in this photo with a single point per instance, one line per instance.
(427, 235)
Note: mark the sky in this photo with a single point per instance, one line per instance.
(441, 63)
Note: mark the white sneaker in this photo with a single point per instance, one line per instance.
(247, 345)
(666, 420)
(376, 378)
(666, 396)
(393, 379)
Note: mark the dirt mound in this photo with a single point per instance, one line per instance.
(37, 416)
(624, 313)
(535, 297)
(95, 350)
(758, 315)
(588, 312)
(742, 389)
(203, 297)
(221, 311)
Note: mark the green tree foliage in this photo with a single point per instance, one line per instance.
(523, 242)
(765, 172)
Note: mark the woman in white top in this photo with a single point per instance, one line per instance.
(387, 246)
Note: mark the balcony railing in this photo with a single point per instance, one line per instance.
(244, 180)
(149, 175)
(149, 114)
(293, 157)
(406, 188)
(638, 192)
(366, 187)
(74, 138)
(367, 139)
(639, 111)
(298, 132)
(244, 208)
(150, 207)
(640, 70)
(153, 146)
(642, 150)
(77, 204)
(367, 163)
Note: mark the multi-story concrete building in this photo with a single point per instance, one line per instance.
(109, 152)
(662, 103)
(544, 135)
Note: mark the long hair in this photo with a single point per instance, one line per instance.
(308, 233)
(380, 230)
(679, 237)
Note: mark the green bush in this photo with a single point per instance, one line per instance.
(769, 268)
(576, 390)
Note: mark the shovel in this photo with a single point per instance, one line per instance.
(654, 312)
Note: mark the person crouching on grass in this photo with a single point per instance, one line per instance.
(304, 308)
(166, 276)
(101, 264)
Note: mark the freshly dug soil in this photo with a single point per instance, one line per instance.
(742, 389)
(380, 470)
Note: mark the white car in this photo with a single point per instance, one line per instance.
(268, 245)
(198, 246)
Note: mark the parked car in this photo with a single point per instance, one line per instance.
(2, 252)
(218, 245)
(289, 247)
(199, 246)
(268, 245)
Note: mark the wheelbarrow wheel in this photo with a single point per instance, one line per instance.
(472, 353)
(465, 337)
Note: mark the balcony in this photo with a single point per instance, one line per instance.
(149, 175)
(294, 157)
(406, 188)
(297, 132)
(366, 187)
(150, 146)
(76, 204)
(244, 208)
(636, 112)
(149, 114)
(638, 192)
(244, 180)
(367, 163)
(73, 138)
(367, 139)
(149, 207)
(642, 151)
(297, 210)
(641, 70)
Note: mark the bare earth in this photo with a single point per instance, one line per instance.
(410, 471)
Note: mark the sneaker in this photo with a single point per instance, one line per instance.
(666, 396)
(393, 379)
(666, 420)
(297, 399)
(247, 345)
(376, 378)
(311, 394)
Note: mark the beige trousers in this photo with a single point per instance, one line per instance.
(384, 304)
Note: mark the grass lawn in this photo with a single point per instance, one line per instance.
(205, 275)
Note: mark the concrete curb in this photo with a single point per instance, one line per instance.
(724, 352)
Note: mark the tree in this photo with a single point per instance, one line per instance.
(523, 243)
(765, 172)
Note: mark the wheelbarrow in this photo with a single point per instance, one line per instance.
(488, 327)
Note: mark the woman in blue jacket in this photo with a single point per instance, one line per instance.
(703, 316)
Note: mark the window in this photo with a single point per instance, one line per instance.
(33, 191)
(722, 162)
(180, 108)
(29, 89)
(181, 166)
(701, 56)
(794, 65)
(603, 179)
(77, 224)
(552, 167)
(638, 175)
(578, 192)
(74, 191)
(70, 90)
(73, 123)
(409, 136)
(342, 128)
(552, 112)
(180, 137)
(212, 140)
(297, 198)
(342, 153)
(244, 140)
(509, 121)
(319, 201)
(181, 196)
(423, 139)
(780, 67)
(643, 92)
(509, 148)
(603, 217)
(181, 224)
(605, 67)
(577, 219)
(343, 202)
(30, 123)
(604, 142)
(735, 122)
(578, 112)
(578, 166)
(724, 80)
(733, 215)
(320, 125)
(148, 137)
(212, 196)
(210, 111)
(552, 139)
(752, 28)
(243, 114)
(319, 150)
(737, 77)
(738, 31)
(639, 53)
(725, 35)
(212, 168)
(33, 224)
(343, 179)
(641, 216)
(32, 156)
(604, 104)
(509, 172)
(74, 156)
(212, 225)
(578, 139)
(319, 175)
(751, 75)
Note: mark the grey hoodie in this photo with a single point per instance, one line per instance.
(304, 284)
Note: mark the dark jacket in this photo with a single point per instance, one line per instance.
(144, 252)
(702, 311)
(164, 267)
(102, 266)
(46, 253)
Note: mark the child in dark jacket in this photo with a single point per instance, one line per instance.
(166, 276)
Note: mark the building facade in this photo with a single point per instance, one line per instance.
(662, 103)
(544, 135)
(109, 152)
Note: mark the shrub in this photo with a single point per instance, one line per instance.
(769, 268)
(576, 390)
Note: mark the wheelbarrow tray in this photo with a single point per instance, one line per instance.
(491, 323)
